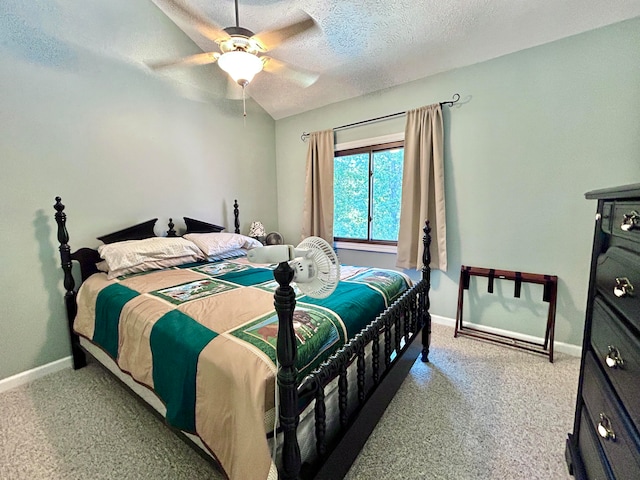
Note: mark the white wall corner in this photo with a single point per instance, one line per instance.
(35, 373)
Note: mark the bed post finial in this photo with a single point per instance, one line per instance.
(236, 216)
(65, 250)
(424, 298)
(426, 251)
(79, 359)
(171, 232)
(285, 303)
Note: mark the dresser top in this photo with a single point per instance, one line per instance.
(624, 191)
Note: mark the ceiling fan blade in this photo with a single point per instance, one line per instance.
(270, 39)
(197, 59)
(304, 78)
(205, 26)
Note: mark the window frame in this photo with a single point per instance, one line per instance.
(389, 142)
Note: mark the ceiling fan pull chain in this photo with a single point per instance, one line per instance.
(244, 107)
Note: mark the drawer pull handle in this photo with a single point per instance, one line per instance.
(630, 221)
(623, 287)
(604, 428)
(613, 358)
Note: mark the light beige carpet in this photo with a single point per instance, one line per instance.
(477, 411)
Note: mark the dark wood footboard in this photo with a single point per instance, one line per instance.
(395, 330)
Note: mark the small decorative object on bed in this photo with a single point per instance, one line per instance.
(199, 340)
(274, 238)
(257, 231)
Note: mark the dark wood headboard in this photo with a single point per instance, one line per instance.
(88, 257)
(135, 232)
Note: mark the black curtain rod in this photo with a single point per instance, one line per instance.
(455, 98)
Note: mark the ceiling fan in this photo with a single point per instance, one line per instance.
(241, 52)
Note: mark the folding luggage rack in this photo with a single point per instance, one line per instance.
(550, 283)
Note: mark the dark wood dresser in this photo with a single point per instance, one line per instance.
(605, 443)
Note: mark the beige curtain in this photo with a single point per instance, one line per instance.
(318, 196)
(423, 189)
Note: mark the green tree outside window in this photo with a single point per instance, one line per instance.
(367, 193)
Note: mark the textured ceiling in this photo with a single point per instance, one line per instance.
(361, 46)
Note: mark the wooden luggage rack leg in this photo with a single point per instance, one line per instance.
(550, 283)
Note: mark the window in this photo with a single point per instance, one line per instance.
(367, 189)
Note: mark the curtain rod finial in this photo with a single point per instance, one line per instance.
(454, 99)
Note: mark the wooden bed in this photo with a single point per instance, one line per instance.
(361, 377)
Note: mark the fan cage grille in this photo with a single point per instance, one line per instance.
(327, 268)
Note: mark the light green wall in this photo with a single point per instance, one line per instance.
(81, 117)
(534, 131)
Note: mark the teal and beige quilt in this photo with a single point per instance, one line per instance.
(203, 338)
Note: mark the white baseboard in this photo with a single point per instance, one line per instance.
(569, 349)
(35, 373)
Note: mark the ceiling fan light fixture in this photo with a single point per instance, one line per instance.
(241, 66)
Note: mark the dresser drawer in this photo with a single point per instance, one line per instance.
(626, 220)
(607, 217)
(590, 452)
(621, 448)
(618, 281)
(618, 352)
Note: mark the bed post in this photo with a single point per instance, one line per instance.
(236, 216)
(285, 303)
(79, 358)
(425, 303)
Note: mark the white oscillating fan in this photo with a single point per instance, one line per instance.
(315, 264)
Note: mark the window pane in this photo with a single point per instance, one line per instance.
(351, 196)
(387, 191)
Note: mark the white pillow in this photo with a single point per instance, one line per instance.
(133, 253)
(221, 242)
(144, 267)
